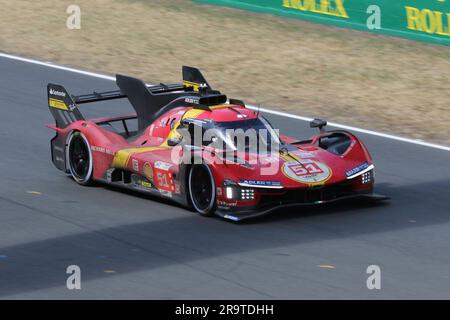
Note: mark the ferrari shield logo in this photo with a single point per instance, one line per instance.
(306, 171)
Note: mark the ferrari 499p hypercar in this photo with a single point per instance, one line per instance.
(192, 144)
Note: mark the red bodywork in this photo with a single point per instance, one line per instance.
(306, 173)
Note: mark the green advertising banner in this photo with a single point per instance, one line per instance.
(426, 20)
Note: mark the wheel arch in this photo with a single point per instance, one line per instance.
(90, 174)
(184, 172)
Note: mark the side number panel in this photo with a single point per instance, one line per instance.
(164, 178)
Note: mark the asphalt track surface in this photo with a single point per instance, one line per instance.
(136, 247)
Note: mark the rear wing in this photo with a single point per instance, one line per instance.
(62, 106)
(149, 101)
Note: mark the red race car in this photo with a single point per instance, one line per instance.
(192, 144)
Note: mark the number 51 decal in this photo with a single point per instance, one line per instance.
(164, 180)
(306, 168)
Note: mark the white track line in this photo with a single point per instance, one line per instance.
(278, 113)
(55, 66)
(350, 128)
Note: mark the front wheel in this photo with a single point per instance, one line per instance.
(80, 158)
(202, 189)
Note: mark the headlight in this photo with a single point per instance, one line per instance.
(231, 189)
(234, 191)
(229, 192)
(247, 194)
(367, 177)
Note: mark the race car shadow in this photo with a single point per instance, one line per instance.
(183, 240)
(279, 214)
(138, 194)
(334, 208)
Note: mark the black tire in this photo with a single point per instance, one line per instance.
(79, 158)
(202, 189)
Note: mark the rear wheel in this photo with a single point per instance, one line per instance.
(80, 158)
(202, 189)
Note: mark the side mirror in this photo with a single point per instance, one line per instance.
(318, 123)
(172, 142)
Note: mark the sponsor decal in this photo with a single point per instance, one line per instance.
(228, 204)
(219, 191)
(261, 183)
(102, 150)
(328, 7)
(140, 182)
(145, 184)
(148, 171)
(135, 165)
(163, 165)
(307, 171)
(54, 92)
(58, 104)
(359, 168)
(231, 217)
(191, 100)
(428, 21)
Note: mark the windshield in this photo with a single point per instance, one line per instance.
(254, 135)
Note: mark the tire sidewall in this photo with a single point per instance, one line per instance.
(88, 178)
(209, 211)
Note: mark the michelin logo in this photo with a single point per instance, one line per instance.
(57, 93)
